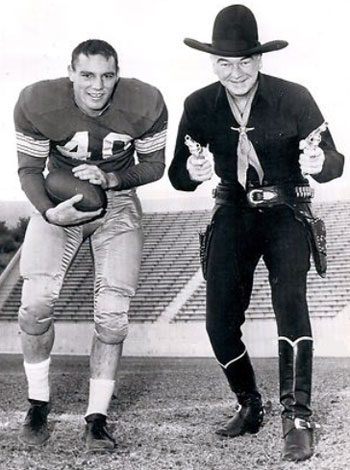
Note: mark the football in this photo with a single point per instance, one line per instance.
(61, 184)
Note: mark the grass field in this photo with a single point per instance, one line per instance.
(164, 414)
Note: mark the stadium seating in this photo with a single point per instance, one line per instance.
(171, 260)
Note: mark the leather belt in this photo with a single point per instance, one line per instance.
(264, 196)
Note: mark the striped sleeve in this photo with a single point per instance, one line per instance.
(30, 141)
(32, 149)
(31, 146)
(151, 144)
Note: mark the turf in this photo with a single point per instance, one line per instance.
(164, 414)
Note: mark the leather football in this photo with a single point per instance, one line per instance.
(61, 184)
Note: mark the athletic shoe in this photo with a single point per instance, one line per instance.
(97, 437)
(35, 430)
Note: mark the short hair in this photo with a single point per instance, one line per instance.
(95, 47)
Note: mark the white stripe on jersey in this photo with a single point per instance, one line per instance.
(31, 146)
(151, 144)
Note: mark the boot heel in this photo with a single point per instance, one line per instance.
(246, 419)
(254, 429)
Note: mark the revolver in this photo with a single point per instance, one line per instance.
(314, 138)
(196, 150)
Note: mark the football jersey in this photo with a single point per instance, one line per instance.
(51, 130)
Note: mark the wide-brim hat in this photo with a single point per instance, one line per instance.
(235, 34)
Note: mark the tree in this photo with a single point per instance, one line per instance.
(6, 239)
(4, 230)
(10, 240)
(19, 231)
(7, 243)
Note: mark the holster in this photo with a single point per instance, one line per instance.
(316, 230)
(204, 244)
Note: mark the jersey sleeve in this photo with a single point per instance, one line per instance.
(32, 152)
(150, 149)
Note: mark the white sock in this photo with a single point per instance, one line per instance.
(101, 391)
(38, 380)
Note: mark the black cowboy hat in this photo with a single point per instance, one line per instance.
(235, 34)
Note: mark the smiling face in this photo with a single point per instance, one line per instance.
(238, 74)
(94, 78)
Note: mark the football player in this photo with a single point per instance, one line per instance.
(92, 122)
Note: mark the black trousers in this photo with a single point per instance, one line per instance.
(241, 236)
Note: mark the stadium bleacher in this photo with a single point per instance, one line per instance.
(171, 260)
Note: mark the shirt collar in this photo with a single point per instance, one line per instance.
(265, 91)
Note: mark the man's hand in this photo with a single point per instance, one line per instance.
(65, 214)
(93, 174)
(199, 169)
(311, 160)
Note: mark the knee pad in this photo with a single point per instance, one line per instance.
(34, 322)
(36, 312)
(112, 328)
(111, 318)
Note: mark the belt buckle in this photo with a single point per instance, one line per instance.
(258, 197)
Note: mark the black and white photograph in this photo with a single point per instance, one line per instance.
(174, 235)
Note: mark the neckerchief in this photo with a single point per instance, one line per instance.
(246, 154)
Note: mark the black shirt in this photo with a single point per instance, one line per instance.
(282, 114)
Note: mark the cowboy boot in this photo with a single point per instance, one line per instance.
(249, 412)
(295, 365)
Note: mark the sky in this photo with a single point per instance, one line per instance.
(37, 37)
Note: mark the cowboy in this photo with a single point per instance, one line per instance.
(253, 124)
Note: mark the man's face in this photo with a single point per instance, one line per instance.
(94, 78)
(238, 74)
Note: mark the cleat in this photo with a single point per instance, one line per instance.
(35, 430)
(97, 437)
